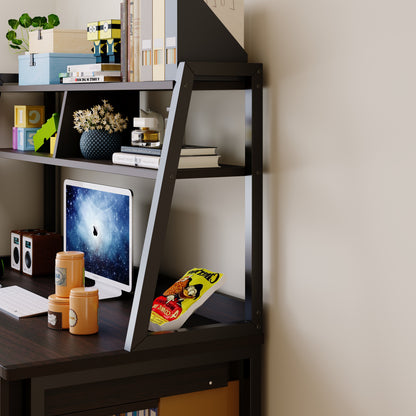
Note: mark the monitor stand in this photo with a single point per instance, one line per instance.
(106, 291)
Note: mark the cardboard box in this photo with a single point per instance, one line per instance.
(52, 144)
(59, 41)
(44, 68)
(29, 115)
(15, 138)
(222, 401)
(25, 138)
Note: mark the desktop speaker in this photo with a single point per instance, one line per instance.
(39, 251)
(16, 247)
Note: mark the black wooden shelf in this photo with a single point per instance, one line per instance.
(190, 76)
(220, 341)
(109, 167)
(97, 86)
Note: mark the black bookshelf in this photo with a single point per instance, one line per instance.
(209, 338)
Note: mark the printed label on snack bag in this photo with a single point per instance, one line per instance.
(183, 297)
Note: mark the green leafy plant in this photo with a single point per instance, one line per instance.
(18, 35)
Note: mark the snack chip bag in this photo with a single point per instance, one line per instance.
(175, 306)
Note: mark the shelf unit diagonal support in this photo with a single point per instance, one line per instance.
(160, 208)
(254, 199)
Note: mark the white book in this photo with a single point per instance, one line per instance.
(153, 162)
(94, 73)
(99, 78)
(93, 67)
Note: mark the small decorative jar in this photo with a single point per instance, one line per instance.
(98, 144)
(58, 312)
(146, 133)
(83, 311)
(69, 272)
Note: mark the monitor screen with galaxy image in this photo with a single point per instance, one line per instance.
(98, 222)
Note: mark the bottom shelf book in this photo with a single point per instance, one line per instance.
(145, 412)
(191, 156)
(153, 162)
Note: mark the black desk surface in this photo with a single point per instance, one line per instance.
(28, 344)
(28, 348)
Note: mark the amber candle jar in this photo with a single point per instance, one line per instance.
(83, 311)
(58, 312)
(69, 272)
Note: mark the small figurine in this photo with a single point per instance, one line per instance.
(105, 35)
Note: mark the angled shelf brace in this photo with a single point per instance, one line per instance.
(188, 75)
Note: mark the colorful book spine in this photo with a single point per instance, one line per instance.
(171, 40)
(146, 35)
(158, 40)
(124, 42)
(130, 53)
(136, 40)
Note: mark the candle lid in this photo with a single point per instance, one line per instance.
(58, 299)
(84, 291)
(69, 255)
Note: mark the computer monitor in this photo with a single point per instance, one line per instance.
(98, 222)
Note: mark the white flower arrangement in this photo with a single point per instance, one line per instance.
(99, 117)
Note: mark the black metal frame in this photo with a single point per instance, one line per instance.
(237, 341)
(187, 74)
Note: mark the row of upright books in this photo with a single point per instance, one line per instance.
(146, 412)
(158, 34)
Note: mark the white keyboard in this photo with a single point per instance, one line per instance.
(21, 303)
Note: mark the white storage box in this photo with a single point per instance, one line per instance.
(59, 41)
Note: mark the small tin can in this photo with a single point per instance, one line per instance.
(58, 312)
(69, 272)
(83, 311)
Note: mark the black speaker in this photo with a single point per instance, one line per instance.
(16, 247)
(39, 251)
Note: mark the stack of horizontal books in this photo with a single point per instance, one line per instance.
(149, 157)
(98, 72)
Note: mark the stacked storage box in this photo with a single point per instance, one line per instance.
(50, 52)
(27, 121)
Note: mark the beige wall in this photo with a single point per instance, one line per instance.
(339, 204)
(339, 231)
(21, 184)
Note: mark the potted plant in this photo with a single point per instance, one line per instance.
(18, 34)
(101, 130)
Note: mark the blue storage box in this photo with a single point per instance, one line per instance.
(25, 138)
(44, 68)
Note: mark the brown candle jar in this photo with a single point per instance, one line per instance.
(69, 272)
(83, 311)
(58, 312)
